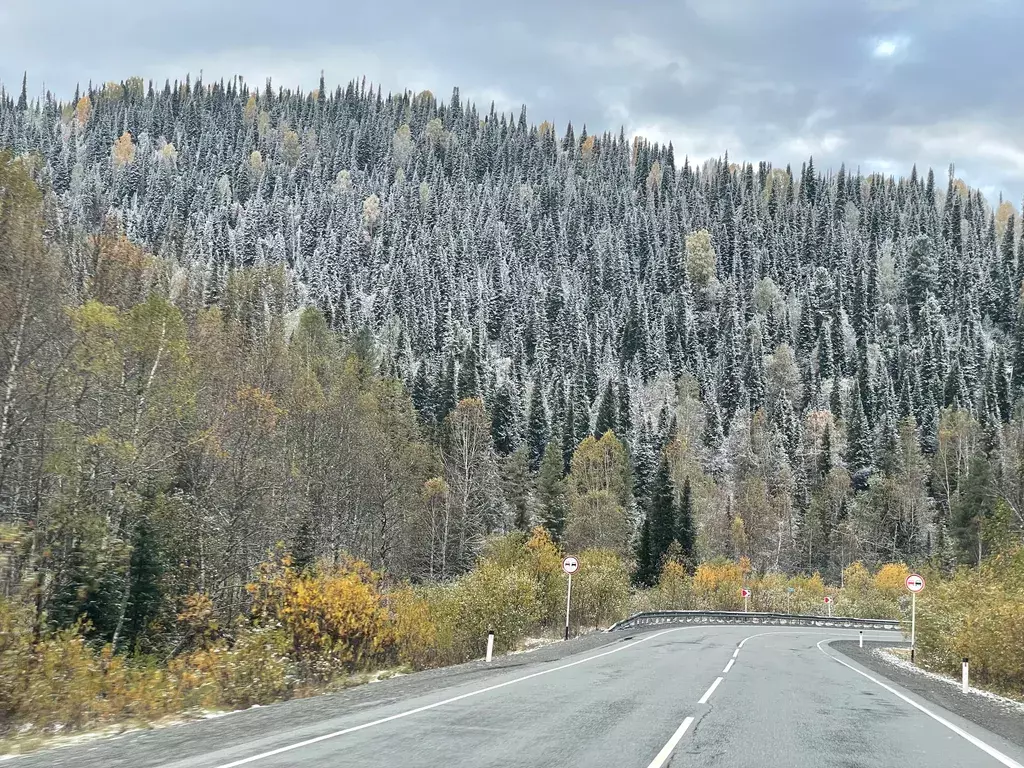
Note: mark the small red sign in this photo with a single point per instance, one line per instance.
(746, 592)
(828, 599)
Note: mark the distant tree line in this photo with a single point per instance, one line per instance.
(390, 326)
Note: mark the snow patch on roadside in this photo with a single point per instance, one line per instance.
(533, 643)
(889, 657)
(385, 674)
(54, 739)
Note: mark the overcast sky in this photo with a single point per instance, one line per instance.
(877, 84)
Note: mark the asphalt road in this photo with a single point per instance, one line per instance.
(688, 696)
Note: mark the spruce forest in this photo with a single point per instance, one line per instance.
(236, 319)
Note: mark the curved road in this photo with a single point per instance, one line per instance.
(687, 696)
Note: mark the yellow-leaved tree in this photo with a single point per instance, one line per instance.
(333, 616)
(700, 258)
(599, 494)
(123, 151)
(83, 110)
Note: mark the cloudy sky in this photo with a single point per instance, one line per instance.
(877, 84)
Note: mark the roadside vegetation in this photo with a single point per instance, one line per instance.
(317, 628)
(977, 613)
(275, 419)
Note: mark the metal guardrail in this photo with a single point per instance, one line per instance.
(657, 618)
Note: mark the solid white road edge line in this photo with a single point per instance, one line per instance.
(436, 704)
(662, 756)
(709, 691)
(728, 666)
(989, 750)
(736, 653)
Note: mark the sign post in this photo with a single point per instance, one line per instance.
(746, 600)
(915, 583)
(570, 565)
(828, 602)
(789, 599)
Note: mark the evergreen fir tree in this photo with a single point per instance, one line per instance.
(858, 434)
(624, 416)
(503, 420)
(516, 482)
(825, 458)
(976, 504)
(644, 464)
(536, 427)
(685, 533)
(645, 574)
(922, 275)
(303, 549)
(145, 594)
(552, 492)
(606, 412)
(23, 98)
(469, 374)
(661, 512)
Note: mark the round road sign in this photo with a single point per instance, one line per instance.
(915, 583)
(570, 564)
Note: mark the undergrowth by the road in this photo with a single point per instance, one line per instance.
(331, 626)
(977, 613)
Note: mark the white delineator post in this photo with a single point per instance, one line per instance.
(862, 638)
(966, 670)
(490, 645)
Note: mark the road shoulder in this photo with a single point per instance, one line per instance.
(993, 714)
(149, 746)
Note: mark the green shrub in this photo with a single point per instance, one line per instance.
(600, 589)
(978, 613)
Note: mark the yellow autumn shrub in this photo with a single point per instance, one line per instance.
(61, 683)
(717, 584)
(335, 617)
(977, 613)
(15, 659)
(414, 628)
(544, 564)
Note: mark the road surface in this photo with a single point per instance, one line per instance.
(729, 697)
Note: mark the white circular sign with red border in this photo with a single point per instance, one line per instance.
(915, 583)
(570, 564)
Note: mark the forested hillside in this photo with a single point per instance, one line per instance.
(389, 326)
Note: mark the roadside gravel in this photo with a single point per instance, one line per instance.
(1001, 716)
